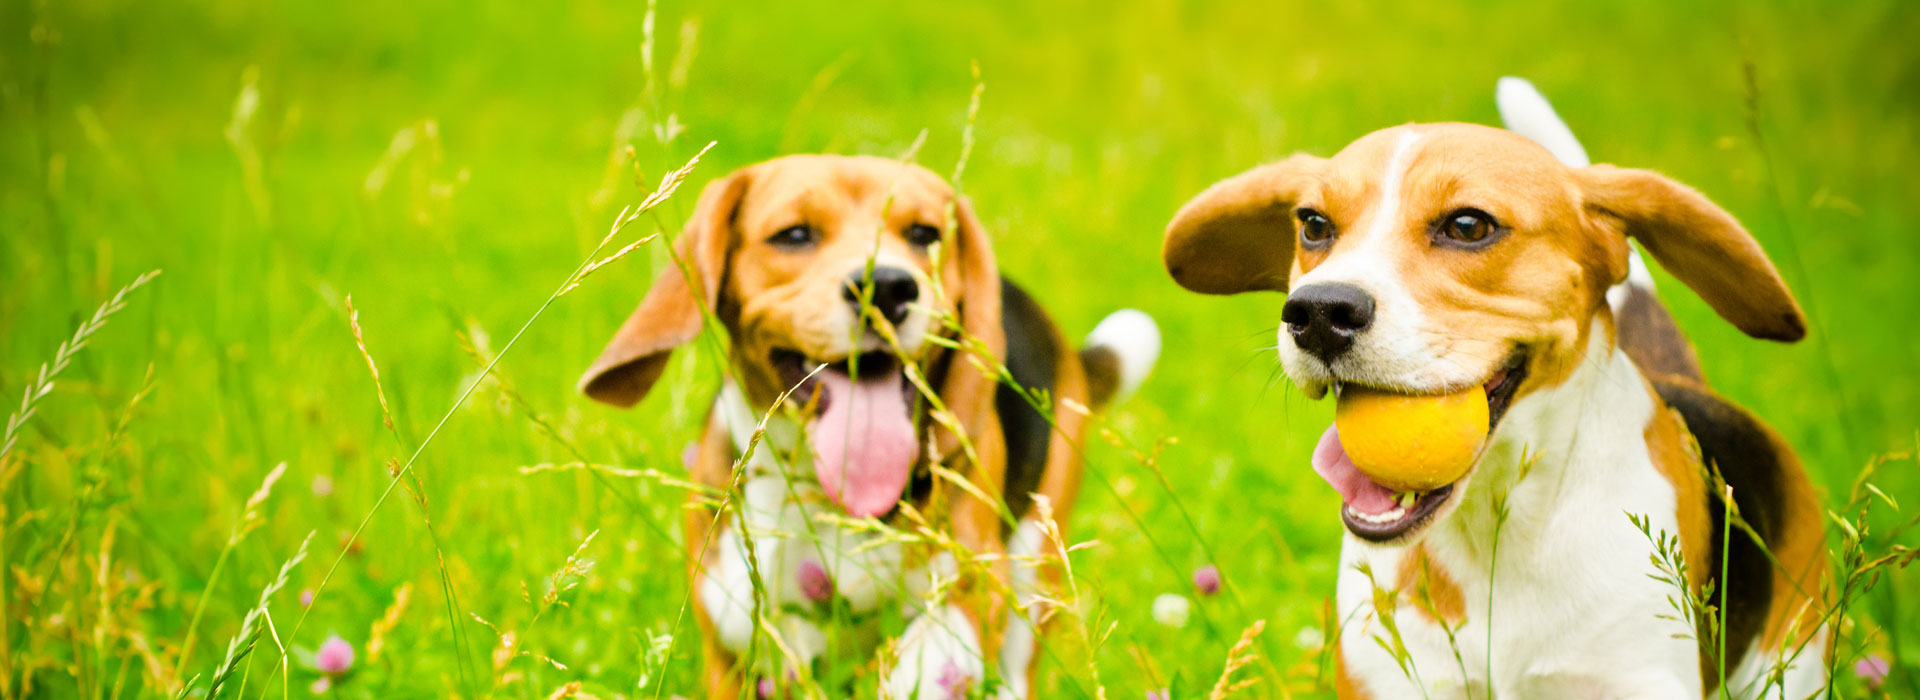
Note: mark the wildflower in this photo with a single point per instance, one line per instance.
(954, 680)
(335, 656)
(1872, 670)
(765, 688)
(815, 583)
(1171, 609)
(1157, 695)
(321, 686)
(322, 485)
(306, 598)
(1206, 579)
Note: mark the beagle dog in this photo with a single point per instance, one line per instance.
(1428, 258)
(868, 331)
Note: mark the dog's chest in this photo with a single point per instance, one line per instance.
(815, 567)
(1563, 604)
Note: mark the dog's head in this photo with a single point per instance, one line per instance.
(814, 260)
(1428, 258)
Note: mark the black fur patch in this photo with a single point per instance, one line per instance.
(1649, 336)
(1033, 354)
(1744, 451)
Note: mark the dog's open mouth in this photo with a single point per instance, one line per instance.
(1377, 513)
(861, 429)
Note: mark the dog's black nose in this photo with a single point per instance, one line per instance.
(893, 290)
(1323, 318)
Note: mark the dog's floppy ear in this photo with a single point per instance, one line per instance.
(669, 315)
(1238, 235)
(968, 392)
(1701, 244)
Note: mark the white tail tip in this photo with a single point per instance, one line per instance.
(1132, 336)
(1528, 113)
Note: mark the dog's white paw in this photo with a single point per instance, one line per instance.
(939, 658)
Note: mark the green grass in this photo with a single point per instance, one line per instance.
(1097, 121)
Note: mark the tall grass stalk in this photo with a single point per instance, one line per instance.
(43, 384)
(417, 488)
(11, 468)
(668, 185)
(250, 520)
(251, 627)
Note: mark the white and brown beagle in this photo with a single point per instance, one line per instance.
(1428, 258)
(841, 279)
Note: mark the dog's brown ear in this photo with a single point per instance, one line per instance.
(1237, 236)
(669, 315)
(968, 391)
(1701, 244)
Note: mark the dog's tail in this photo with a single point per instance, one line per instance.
(1118, 355)
(1526, 112)
(1647, 331)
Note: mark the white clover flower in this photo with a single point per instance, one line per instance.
(1171, 609)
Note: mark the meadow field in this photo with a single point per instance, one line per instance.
(328, 186)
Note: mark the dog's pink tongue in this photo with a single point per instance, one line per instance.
(1331, 462)
(863, 442)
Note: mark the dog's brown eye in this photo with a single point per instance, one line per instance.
(1315, 227)
(1468, 226)
(923, 235)
(792, 236)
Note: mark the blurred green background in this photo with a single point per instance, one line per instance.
(448, 163)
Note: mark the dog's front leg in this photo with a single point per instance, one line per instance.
(944, 653)
(710, 465)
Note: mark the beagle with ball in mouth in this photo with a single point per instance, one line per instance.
(864, 291)
(1434, 260)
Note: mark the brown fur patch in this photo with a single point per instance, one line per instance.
(1800, 580)
(1433, 592)
(1678, 459)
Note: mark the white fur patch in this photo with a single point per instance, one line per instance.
(1388, 214)
(939, 658)
(1020, 640)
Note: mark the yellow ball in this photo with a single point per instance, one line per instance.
(1412, 443)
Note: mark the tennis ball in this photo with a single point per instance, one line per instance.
(1411, 443)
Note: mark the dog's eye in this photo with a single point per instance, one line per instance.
(1315, 227)
(923, 235)
(1468, 226)
(792, 236)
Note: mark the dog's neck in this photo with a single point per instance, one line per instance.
(1579, 445)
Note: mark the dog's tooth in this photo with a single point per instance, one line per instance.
(1381, 519)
